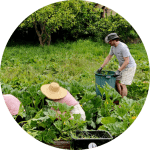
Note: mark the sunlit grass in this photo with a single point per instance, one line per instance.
(26, 65)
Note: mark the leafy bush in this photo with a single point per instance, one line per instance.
(113, 23)
(75, 19)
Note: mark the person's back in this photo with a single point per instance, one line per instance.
(12, 103)
(121, 51)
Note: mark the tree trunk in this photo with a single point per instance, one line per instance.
(41, 42)
(49, 38)
(38, 33)
(43, 31)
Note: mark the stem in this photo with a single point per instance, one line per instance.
(22, 122)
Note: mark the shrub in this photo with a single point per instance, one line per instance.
(111, 24)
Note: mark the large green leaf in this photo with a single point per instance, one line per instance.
(51, 114)
(98, 120)
(129, 102)
(92, 124)
(52, 104)
(67, 126)
(21, 111)
(48, 136)
(39, 114)
(121, 112)
(101, 89)
(102, 128)
(107, 120)
(63, 107)
(116, 128)
(58, 124)
(97, 102)
(77, 116)
(111, 92)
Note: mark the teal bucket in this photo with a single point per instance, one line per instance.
(101, 79)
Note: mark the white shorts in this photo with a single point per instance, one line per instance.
(127, 75)
(78, 110)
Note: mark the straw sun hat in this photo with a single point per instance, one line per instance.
(53, 91)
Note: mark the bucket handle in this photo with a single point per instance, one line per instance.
(108, 77)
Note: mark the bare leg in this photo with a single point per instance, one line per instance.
(124, 90)
(118, 86)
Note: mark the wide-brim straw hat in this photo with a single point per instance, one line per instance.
(53, 91)
(111, 36)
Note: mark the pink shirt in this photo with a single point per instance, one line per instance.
(68, 99)
(12, 103)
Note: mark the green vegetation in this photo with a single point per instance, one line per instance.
(117, 118)
(26, 65)
(25, 68)
(74, 19)
(46, 126)
(84, 135)
(72, 15)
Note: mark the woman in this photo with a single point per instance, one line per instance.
(58, 94)
(13, 105)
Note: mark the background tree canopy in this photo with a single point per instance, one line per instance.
(74, 19)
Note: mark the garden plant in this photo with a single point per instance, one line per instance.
(72, 63)
(30, 67)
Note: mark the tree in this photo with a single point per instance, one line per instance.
(49, 19)
(86, 16)
(73, 15)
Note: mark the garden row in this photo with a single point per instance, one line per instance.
(25, 68)
(101, 114)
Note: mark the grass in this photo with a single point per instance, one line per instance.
(26, 65)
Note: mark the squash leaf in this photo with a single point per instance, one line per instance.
(51, 114)
(58, 124)
(21, 111)
(107, 120)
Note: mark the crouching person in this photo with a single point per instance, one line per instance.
(58, 94)
(13, 105)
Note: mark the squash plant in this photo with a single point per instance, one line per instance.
(101, 112)
(48, 125)
(121, 116)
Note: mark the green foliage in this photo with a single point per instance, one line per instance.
(109, 92)
(46, 127)
(113, 23)
(76, 19)
(73, 15)
(85, 15)
(24, 69)
(122, 116)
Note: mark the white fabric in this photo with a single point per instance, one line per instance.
(78, 110)
(127, 76)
